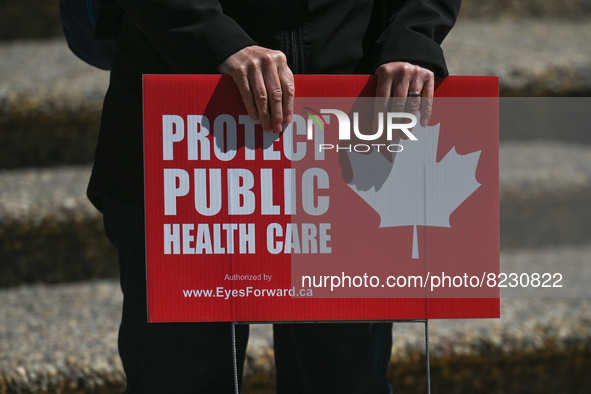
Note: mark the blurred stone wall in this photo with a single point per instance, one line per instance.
(29, 19)
(25, 19)
(569, 9)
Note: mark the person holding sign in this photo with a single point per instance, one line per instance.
(261, 45)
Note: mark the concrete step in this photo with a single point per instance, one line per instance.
(532, 58)
(51, 101)
(51, 105)
(545, 192)
(44, 212)
(63, 339)
(519, 9)
(30, 19)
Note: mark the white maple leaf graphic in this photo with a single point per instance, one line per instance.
(415, 190)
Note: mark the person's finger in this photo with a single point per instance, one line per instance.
(241, 81)
(288, 91)
(400, 89)
(414, 93)
(381, 104)
(399, 94)
(400, 99)
(274, 98)
(261, 99)
(384, 82)
(427, 100)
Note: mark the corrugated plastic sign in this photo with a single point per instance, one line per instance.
(335, 218)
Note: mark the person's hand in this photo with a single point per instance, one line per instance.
(265, 83)
(405, 87)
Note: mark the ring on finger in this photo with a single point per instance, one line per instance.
(414, 93)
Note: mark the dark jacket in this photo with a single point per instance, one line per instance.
(196, 36)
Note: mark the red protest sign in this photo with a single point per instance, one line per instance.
(333, 219)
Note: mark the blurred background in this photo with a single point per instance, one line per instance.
(59, 295)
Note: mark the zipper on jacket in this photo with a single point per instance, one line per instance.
(293, 36)
(294, 46)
